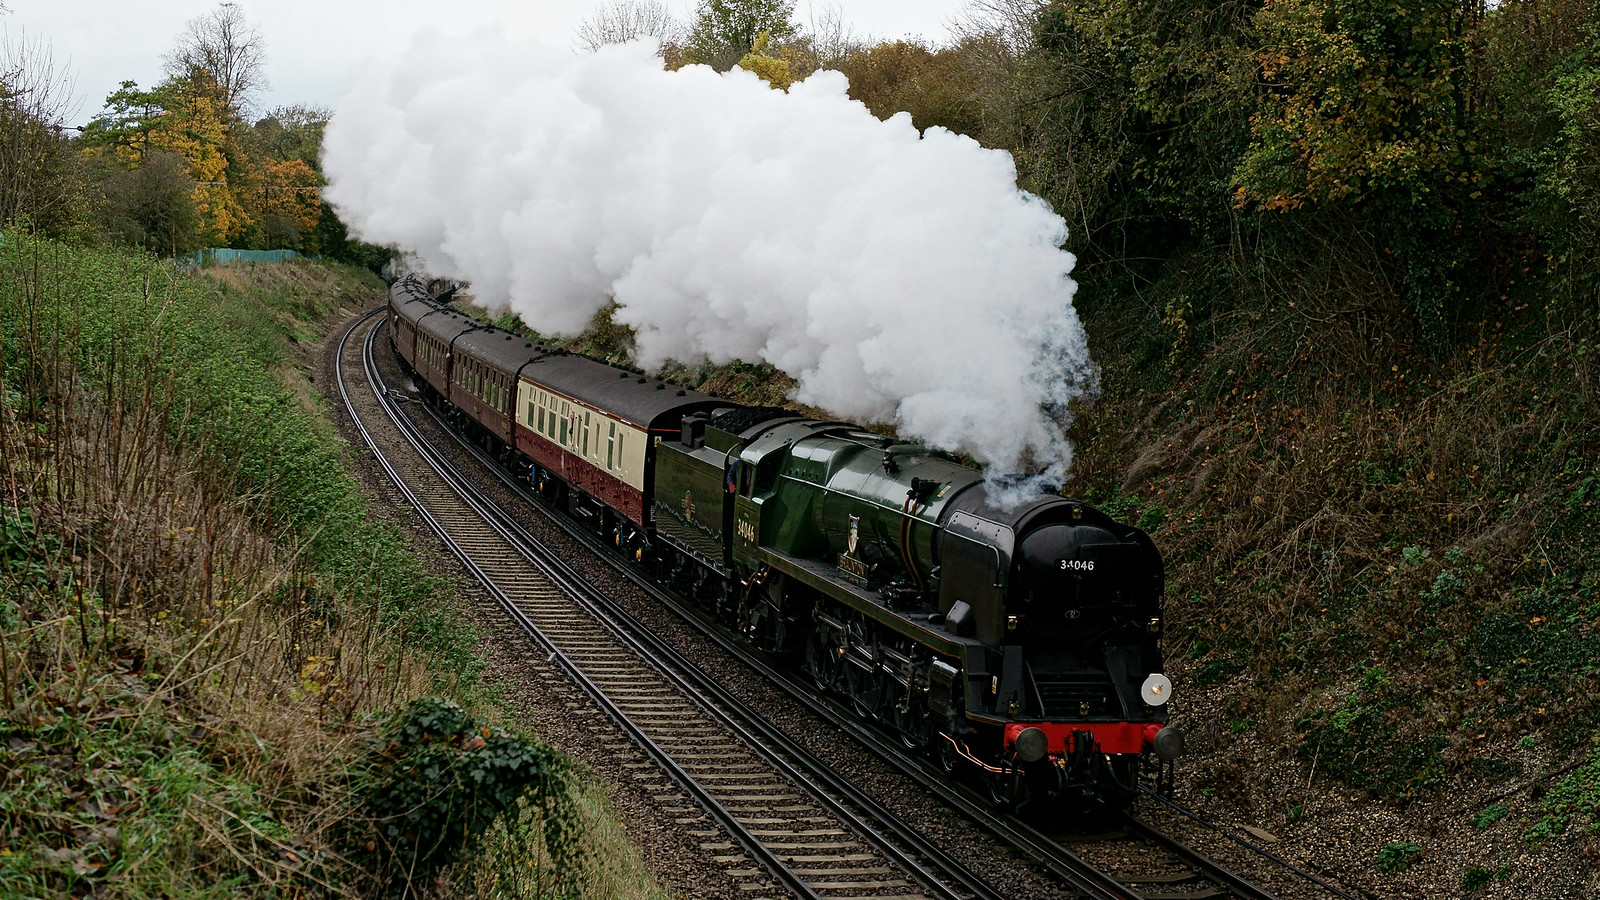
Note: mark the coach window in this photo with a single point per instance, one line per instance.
(585, 434)
(611, 448)
(563, 423)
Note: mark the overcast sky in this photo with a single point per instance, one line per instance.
(313, 44)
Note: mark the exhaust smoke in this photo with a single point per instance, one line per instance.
(896, 276)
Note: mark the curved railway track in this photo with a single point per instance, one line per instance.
(766, 806)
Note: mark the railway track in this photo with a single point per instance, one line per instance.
(1174, 871)
(774, 818)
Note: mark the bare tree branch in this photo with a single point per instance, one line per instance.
(1008, 21)
(831, 36)
(625, 20)
(36, 99)
(225, 48)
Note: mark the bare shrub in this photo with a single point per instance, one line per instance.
(621, 21)
(37, 176)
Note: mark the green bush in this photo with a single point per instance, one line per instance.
(1490, 814)
(1398, 856)
(437, 780)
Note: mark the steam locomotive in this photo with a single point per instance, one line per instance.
(1020, 643)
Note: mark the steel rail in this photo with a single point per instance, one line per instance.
(1201, 862)
(1263, 852)
(758, 851)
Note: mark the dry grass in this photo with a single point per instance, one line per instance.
(200, 633)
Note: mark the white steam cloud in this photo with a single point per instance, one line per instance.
(897, 276)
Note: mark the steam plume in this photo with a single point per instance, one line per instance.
(898, 277)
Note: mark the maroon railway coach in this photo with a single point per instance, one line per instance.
(582, 428)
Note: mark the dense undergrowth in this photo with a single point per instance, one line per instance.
(213, 665)
(1382, 557)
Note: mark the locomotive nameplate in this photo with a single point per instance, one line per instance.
(853, 569)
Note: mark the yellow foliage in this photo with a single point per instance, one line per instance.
(292, 191)
(774, 70)
(196, 130)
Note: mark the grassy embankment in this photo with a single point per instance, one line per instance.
(1382, 557)
(205, 640)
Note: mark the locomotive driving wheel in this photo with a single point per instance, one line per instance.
(946, 754)
(862, 680)
(865, 689)
(904, 712)
(1005, 786)
(822, 662)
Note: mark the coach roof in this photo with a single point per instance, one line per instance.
(643, 401)
(445, 324)
(499, 349)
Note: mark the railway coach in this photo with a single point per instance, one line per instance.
(582, 431)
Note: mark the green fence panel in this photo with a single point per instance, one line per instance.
(225, 255)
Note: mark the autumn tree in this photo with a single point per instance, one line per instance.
(772, 67)
(725, 31)
(937, 87)
(291, 201)
(196, 114)
(200, 129)
(1369, 110)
